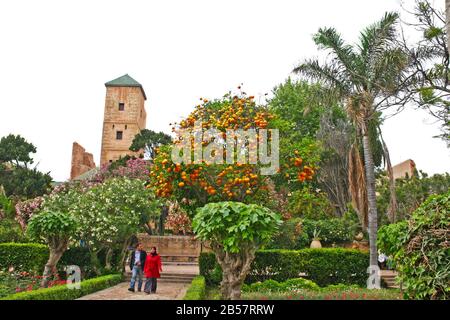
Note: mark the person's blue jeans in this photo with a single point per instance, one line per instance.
(136, 273)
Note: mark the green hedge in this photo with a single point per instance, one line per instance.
(197, 289)
(274, 286)
(31, 257)
(323, 266)
(62, 292)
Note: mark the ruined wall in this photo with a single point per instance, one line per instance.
(82, 161)
(403, 169)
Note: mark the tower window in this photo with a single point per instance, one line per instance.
(110, 161)
(121, 106)
(114, 126)
(119, 135)
(126, 127)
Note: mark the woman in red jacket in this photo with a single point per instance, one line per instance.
(152, 271)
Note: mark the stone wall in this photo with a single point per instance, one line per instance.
(173, 245)
(403, 169)
(82, 161)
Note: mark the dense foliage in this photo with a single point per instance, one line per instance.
(112, 212)
(149, 141)
(235, 226)
(298, 233)
(421, 249)
(323, 266)
(16, 177)
(410, 192)
(235, 231)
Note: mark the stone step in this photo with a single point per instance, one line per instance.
(180, 263)
(389, 278)
(174, 280)
(173, 277)
(179, 258)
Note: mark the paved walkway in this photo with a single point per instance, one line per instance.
(165, 291)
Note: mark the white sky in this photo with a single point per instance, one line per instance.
(56, 56)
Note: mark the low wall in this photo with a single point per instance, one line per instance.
(173, 245)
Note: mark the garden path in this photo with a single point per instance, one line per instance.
(165, 291)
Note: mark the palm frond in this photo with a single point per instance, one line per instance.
(329, 38)
(326, 74)
(376, 39)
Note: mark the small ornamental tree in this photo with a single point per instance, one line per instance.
(235, 230)
(56, 229)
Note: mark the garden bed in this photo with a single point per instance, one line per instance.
(63, 292)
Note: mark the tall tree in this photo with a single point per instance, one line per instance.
(368, 78)
(16, 150)
(149, 140)
(430, 58)
(17, 178)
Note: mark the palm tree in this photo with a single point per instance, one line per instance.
(368, 78)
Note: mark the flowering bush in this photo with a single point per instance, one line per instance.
(60, 198)
(178, 221)
(12, 281)
(26, 209)
(111, 212)
(133, 169)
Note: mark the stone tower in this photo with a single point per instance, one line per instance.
(124, 117)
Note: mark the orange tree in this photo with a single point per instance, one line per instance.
(197, 183)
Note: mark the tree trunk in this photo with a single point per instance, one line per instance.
(392, 210)
(108, 257)
(123, 254)
(447, 24)
(95, 262)
(162, 219)
(371, 198)
(235, 267)
(57, 248)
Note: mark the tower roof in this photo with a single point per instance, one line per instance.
(125, 81)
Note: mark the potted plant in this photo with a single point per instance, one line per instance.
(315, 243)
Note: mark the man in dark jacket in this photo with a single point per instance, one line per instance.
(137, 263)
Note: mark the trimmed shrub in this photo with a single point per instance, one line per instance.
(30, 257)
(62, 292)
(197, 289)
(323, 266)
(299, 283)
(275, 286)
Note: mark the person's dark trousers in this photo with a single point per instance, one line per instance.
(150, 285)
